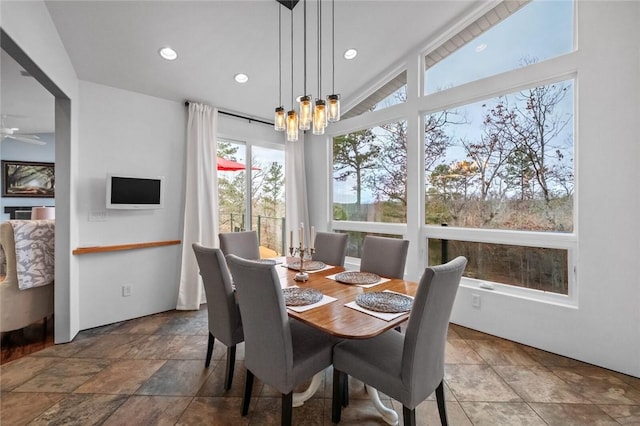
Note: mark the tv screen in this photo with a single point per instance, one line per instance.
(130, 192)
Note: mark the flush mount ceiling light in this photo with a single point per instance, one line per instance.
(350, 53)
(241, 78)
(168, 53)
(481, 47)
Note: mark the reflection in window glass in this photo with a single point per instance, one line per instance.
(267, 199)
(231, 187)
(370, 174)
(354, 243)
(536, 268)
(503, 163)
(540, 30)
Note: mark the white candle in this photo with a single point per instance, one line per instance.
(312, 238)
(291, 238)
(302, 234)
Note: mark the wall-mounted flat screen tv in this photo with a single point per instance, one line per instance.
(134, 192)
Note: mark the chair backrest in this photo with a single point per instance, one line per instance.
(330, 248)
(224, 316)
(426, 334)
(243, 244)
(268, 347)
(384, 256)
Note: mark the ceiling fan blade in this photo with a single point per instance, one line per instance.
(32, 140)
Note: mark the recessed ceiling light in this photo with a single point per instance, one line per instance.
(168, 53)
(241, 78)
(350, 53)
(481, 47)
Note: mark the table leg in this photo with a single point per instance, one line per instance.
(388, 415)
(300, 398)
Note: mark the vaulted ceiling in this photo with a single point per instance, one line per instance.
(116, 43)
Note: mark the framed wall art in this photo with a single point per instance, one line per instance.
(28, 179)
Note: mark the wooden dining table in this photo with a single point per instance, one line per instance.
(341, 321)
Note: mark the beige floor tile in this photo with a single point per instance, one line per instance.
(64, 376)
(538, 384)
(267, 412)
(458, 351)
(478, 383)
(80, 410)
(17, 372)
(121, 377)
(177, 378)
(110, 346)
(149, 410)
(599, 385)
(573, 415)
(155, 347)
(20, 408)
(501, 413)
(360, 412)
(427, 414)
(194, 347)
(549, 359)
(208, 411)
(623, 414)
(214, 385)
(501, 352)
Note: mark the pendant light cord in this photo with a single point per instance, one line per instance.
(292, 59)
(333, 46)
(280, 54)
(319, 49)
(305, 47)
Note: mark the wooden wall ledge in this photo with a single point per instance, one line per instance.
(102, 249)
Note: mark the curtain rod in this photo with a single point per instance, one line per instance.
(231, 114)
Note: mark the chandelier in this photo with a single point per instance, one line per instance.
(316, 115)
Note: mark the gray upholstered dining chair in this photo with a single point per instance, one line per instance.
(384, 256)
(225, 323)
(280, 352)
(406, 367)
(243, 244)
(330, 248)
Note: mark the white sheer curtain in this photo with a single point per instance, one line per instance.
(201, 195)
(297, 209)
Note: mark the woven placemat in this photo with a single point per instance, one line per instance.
(296, 296)
(356, 277)
(386, 302)
(309, 265)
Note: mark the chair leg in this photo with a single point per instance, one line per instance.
(409, 416)
(287, 409)
(338, 395)
(246, 398)
(231, 362)
(210, 342)
(442, 410)
(345, 390)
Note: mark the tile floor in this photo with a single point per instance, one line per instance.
(150, 371)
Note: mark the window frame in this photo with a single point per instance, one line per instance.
(418, 104)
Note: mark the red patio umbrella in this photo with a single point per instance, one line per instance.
(225, 165)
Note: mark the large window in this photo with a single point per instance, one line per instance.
(538, 31)
(503, 163)
(370, 174)
(264, 211)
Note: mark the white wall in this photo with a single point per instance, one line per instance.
(20, 151)
(604, 328)
(31, 27)
(133, 134)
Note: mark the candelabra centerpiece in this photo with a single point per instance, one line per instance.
(302, 251)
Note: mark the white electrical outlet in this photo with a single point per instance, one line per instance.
(98, 216)
(475, 300)
(126, 290)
